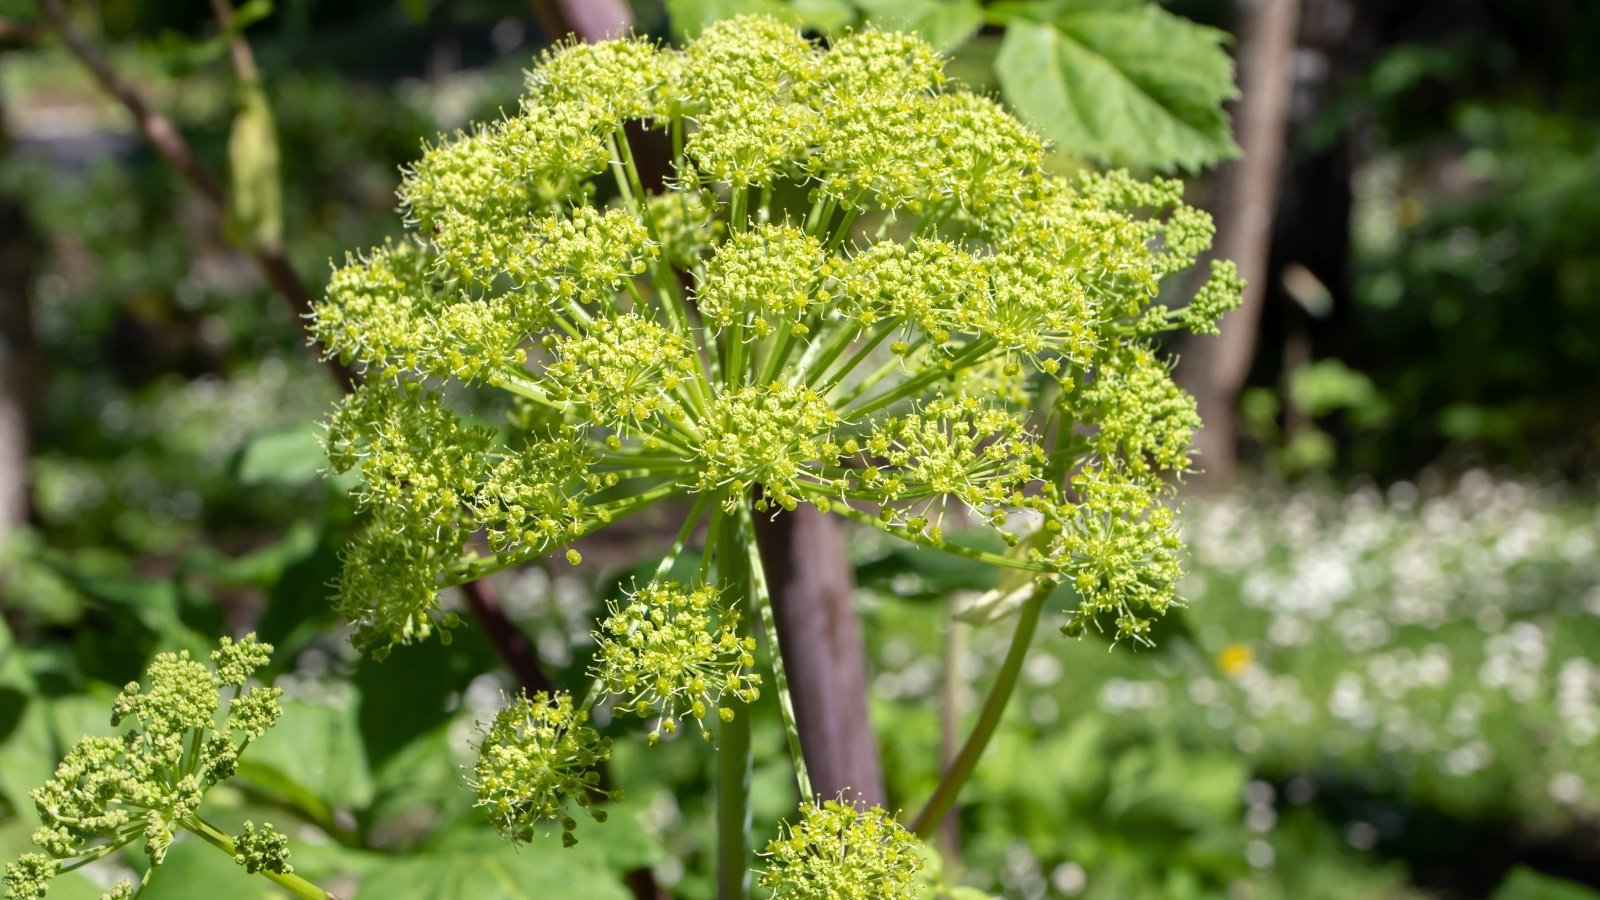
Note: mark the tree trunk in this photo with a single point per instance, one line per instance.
(1214, 369)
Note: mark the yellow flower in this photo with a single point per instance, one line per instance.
(1235, 659)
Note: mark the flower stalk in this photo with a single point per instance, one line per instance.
(994, 706)
(289, 881)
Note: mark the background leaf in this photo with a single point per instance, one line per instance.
(483, 867)
(946, 24)
(1132, 86)
(316, 747)
(689, 17)
(1525, 884)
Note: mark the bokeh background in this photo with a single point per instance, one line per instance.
(1386, 683)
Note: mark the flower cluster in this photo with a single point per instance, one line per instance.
(538, 755)
(839, 851)
(853, 289)
(148, 782)
(673, 652)
(262, 849)
(847, 292)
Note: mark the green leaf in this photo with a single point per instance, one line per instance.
(247, 14)
(416, 9)
(255, 188)
(946, 24)
(485, 868)
(1526, 884)
(826, 16)
(690, 17)
(13, 668)
(1123, 85)
(315, 752)
(410, 693)
(298, 609)
(27, 757)
(283, 456)
(260, 568)
(420, 777)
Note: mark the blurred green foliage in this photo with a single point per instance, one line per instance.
(1361, 678)
(1477, 288)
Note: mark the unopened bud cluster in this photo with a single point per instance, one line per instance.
(147, 783)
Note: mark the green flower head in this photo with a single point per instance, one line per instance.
(536, 757)
(673, 652)
(855, 288)
(840, 852)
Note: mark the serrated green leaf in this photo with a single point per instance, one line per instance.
(946, 24)
(1132, 86)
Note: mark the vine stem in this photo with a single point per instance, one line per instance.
(994, 705)
(289, 881)
(761, 599)
(734, 762)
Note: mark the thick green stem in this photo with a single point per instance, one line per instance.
(994, 706)
(733, 746)
(820, 369)
(290, 882)
(852, 210)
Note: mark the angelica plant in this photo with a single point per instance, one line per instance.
(838, 850)
(857, 289)
(147, 783)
